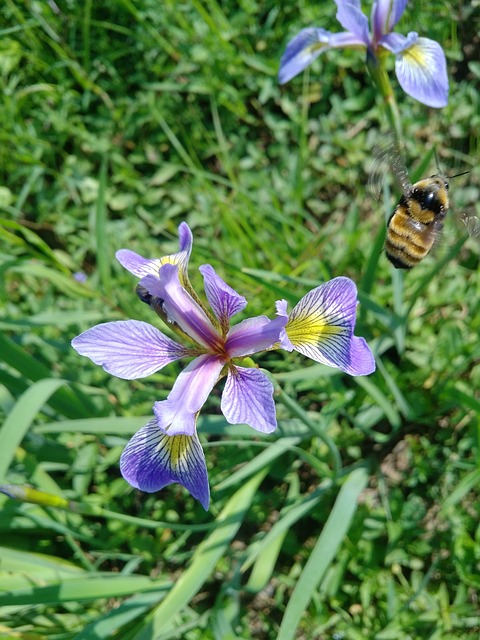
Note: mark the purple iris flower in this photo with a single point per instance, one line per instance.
(419, 62)
(167, 449)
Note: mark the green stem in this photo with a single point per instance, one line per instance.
(376, 68)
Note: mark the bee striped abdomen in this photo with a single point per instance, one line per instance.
(417, 219)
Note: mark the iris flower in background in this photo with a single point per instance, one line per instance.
(167, 449)
(419, 62)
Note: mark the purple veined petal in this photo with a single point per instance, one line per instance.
(128, 349)
(248, 399)
(138, 265)
(152, 460)
(301, 51)
(224, 300)
(321, 328)
(142, 267)
(254, 335)
(345, 352)
(181, 308)
(352, 19)
(421, 68)
(177, 415)
(385, 15)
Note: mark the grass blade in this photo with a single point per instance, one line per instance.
(204, 559)
(324, 551)
(21, 416)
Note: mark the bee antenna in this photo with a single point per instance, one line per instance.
(458, 174)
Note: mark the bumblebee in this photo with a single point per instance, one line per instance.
(418, 218)
(417, 221)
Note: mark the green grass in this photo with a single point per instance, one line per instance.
(358, 517)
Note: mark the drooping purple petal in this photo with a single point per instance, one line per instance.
(142, 267)
(301, 51)
(152, 460)
(181, 308)
(224, 300)
(314, 42)
(421, 68)
(177, 415)
(248, 399)
(128, 349)
(352, 19)
(385, 15)
(253, 335)
(321, 327)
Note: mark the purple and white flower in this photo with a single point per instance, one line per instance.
(167, 449)
(419, 62)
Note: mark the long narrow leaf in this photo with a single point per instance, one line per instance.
(204, 559)
(88, 588)
(20, 418)
(324, 551)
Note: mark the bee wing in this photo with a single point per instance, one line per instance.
(390, 157)
(472, 224)
(377, 171)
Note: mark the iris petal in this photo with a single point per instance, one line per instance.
(128, 349)
(224, 300)
(152, 460)
(351, 17)
(137, 264)
(385, 15)
(301, 51)
(181, 308)
(421, 68)
(177, 414)
(321, 327)
(253, 335)
(142, 267)
(248, 399)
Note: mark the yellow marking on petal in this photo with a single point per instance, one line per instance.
(172, 259)
(178, 449)
(416, 55)
(311, 329)
(180, 260)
